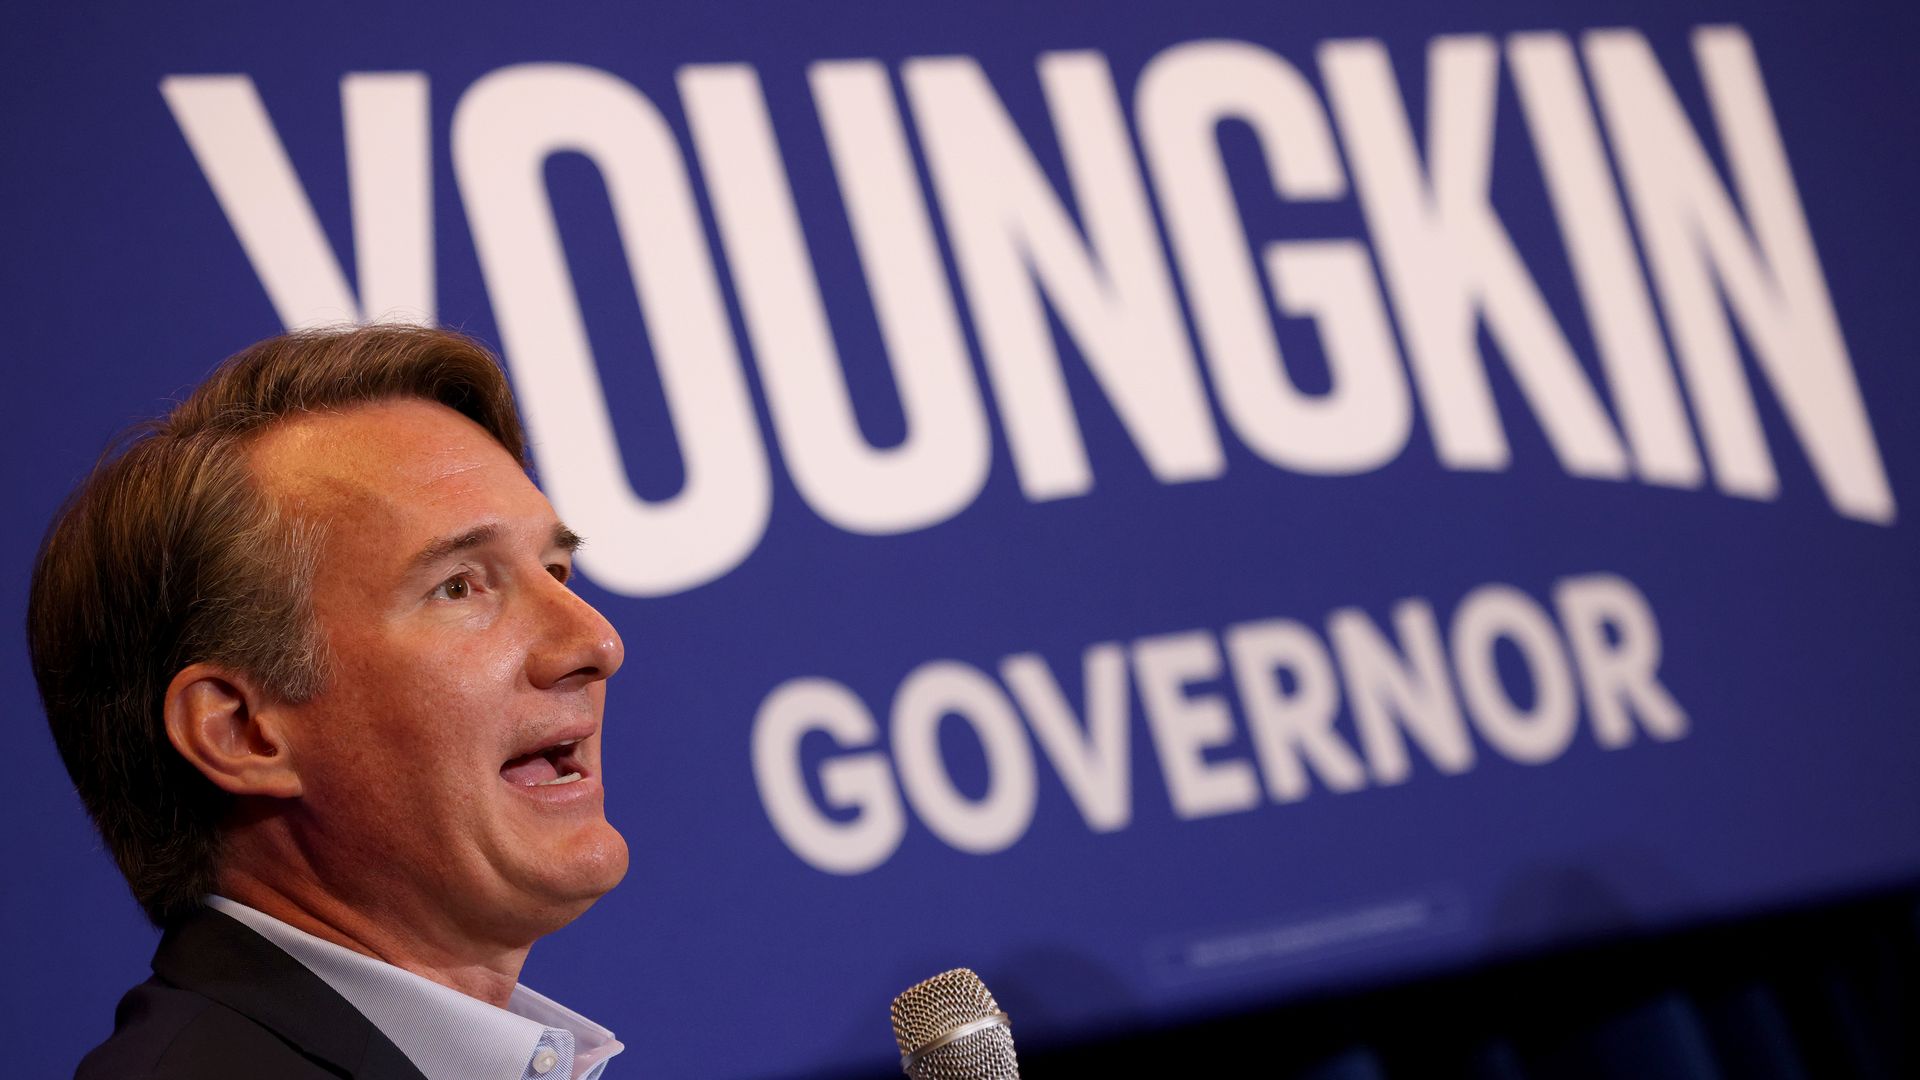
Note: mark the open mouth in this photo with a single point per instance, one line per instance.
(549, 766)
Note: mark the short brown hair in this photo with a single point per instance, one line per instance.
(169, 554)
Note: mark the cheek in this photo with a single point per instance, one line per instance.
(433, 692)
(419, 719)
(466, 661)
(380, 738)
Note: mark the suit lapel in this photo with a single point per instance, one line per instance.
(222, 958)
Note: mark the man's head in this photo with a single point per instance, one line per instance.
(320, 609)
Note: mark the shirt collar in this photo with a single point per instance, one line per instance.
(445, 1033)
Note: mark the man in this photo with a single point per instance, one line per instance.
(309, 652)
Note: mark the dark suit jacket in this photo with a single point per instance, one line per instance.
(225, 1003)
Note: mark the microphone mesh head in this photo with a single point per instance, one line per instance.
(927, 1010)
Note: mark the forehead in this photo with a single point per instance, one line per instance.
(400, 471)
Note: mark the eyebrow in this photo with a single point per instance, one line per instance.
(438, 551)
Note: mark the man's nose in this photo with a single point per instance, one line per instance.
(577, 642)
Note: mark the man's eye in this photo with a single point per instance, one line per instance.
(560, 571)
(454, 588)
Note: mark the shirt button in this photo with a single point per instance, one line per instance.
(544, 1061)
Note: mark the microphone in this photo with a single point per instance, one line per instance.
(950, 1028)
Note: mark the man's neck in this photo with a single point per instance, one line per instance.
(488, 973)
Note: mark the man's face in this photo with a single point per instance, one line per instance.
(467, 680)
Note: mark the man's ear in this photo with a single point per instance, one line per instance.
(222, 725)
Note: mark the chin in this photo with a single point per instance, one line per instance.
(609, 864)
(594, 864)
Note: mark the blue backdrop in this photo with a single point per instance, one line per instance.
(1173, 507)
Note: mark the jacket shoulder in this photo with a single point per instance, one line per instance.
(163, 1032)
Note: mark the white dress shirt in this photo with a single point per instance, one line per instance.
(446, 1034)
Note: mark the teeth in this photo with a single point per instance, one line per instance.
(567, 779)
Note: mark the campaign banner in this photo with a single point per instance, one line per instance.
(1177, 508)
